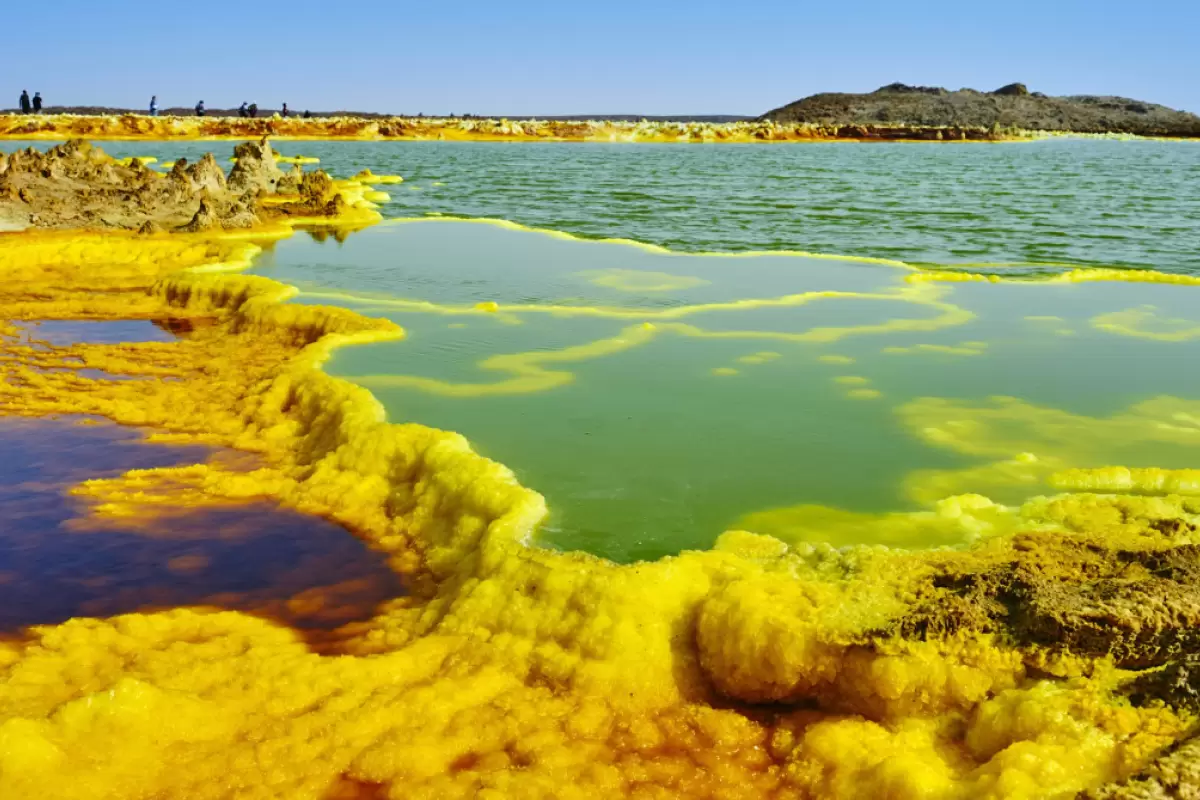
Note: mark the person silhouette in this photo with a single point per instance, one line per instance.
(25, 107)
(154, 106)
(200, 109)
(284, 112)
(37, 102)
(242, 112)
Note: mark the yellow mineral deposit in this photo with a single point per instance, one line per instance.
(1145, 322)
(761, 357)
(371, 179)
(833, 358)
(136, 127)
(637, 281)
(766, 666)
(1029, 444)
(961, 349)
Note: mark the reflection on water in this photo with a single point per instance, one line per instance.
(60, 333)
(255, 557)
(659, 399)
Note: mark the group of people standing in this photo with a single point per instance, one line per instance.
(249, 110)
(33, 106)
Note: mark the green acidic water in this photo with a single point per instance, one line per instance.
(646, 448)
(649, 440)
(1128, 204)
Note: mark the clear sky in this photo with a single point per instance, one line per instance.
(566, 57)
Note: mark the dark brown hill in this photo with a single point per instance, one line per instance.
(1012, 106)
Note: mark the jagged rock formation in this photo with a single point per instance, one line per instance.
(76, 185)
(1012, 106)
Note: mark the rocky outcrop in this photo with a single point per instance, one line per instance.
(1139, 608)
(1009, 107)
(76, 185)
(255, 169)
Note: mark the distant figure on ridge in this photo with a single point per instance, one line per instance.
(284, 112)
(307, 114)
(252, 110)
(200, 109)
(25, 101)
(37, 102)
(242, 112)
(154, 106)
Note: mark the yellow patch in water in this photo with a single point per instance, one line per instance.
(529, 369)
(638, 281)
(1144, 322)
(371, 179)
(761, 357)
(961, 349)
(529, 377)
(952, 521)
(1023, 445)
(724, 371)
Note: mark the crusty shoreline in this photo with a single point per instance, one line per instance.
(135, 127)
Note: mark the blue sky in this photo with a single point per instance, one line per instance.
(564, 57)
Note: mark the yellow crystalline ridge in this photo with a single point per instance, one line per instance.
(511, 670)
(371, 179)
(952, 521)
(1077, 275)
(47, 256)
(506, 224)
(1124, 480)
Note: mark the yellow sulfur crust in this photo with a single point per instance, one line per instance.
(135, 127)
(758, 668)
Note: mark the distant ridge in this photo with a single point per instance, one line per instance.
(1009, 107)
